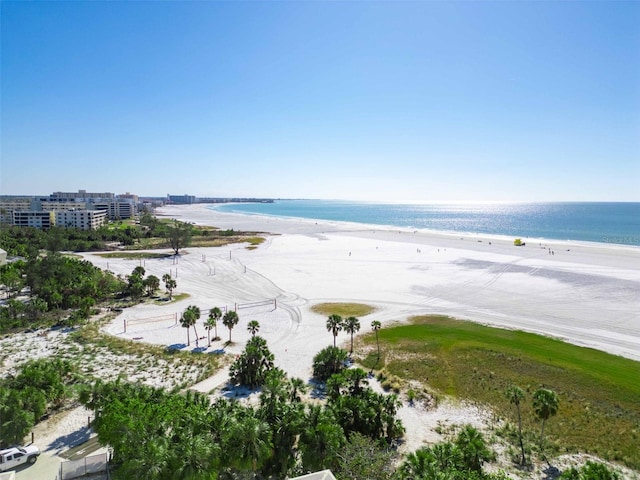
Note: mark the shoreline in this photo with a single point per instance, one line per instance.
(344, 225)
(586, 294)
(411, 228)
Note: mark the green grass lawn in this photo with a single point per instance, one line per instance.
(599, 393)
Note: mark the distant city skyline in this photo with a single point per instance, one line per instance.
(373, 101)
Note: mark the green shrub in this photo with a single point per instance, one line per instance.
(329, 361)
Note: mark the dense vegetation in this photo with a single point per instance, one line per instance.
(162, 435)
(40, 388)
(598, 393)
(148, 232)
(28, 241)
(58, 287)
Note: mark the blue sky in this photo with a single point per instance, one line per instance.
(406, 101)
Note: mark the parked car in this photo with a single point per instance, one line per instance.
(15, 456)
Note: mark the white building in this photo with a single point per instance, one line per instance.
(323, 475)
(81, 195)
(8, 205)
(33, 218)
(82, 219)
(116, 209)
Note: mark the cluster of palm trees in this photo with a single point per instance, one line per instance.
(230, 319)
(169, 284)
(351, 325)
(157, 434)
(460, 459)
(545, 406)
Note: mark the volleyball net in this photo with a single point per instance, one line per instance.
(171, 318)
(259, 303)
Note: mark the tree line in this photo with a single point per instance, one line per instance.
(29, 241)
(55, 287)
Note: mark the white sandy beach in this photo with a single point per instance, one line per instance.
(584, 293)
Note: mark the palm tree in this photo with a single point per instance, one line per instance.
(545, 404)
(209, 324)
(321, 440)
(197, 314)
(215, 314)
(515, 395)
(473, 448)
(351, 325)
(334, 325)
(139, 271)
(253, 327)
(230, 320)
(189, 318)
(375, 326)
(298, 387)
(169, 283)
(152, 283)
(252, 442)
(420, 464)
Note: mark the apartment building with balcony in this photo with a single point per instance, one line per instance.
(36, 219)
(81, 219)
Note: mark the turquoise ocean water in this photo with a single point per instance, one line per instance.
(593, 221)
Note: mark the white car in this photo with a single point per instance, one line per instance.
(16, 456)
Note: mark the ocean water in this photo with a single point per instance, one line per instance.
(593, 221)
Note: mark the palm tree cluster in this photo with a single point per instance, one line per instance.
(358, 409)
(545, 406)
(335, 323)
(250, 369)
(169, 284)
(461, 459)
(192, 314)
(328, 362)
(189, 318)
(160, 435)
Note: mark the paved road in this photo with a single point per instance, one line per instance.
(46, 468)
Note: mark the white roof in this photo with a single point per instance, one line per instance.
(323, 475)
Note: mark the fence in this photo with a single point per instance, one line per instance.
(84, 466)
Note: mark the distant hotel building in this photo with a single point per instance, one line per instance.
(182, 199)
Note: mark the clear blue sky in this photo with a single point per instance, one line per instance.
(407, 101)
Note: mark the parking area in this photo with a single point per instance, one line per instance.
(46, 468)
